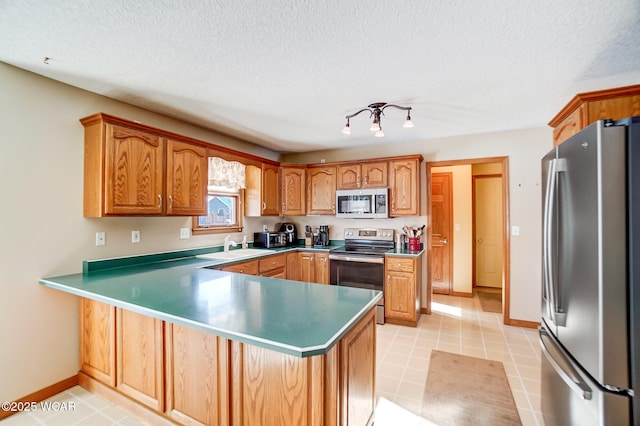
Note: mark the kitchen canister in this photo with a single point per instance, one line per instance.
(414, 243)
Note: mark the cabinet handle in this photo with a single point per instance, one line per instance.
(366, 179)
(170, 201)
(159, 200)
(359, 181)
(264, 205)
(393, 205)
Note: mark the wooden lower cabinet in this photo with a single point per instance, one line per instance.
(402, 290)
(273, 266)
(250, 267)
(321, 268)
(314, 267)
(97, 340)
(197, 368)
(193, 377)
(139, 358)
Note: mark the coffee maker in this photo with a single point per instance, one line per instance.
(322, 237)
(290, 231)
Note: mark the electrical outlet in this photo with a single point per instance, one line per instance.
(515, 231)
(185, 233)
(101, 238)
(135, 236)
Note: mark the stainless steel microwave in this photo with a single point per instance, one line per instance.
(362, 203)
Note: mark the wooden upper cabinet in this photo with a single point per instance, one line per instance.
(375, 175)
(270, 190)
(321, 190)
(133, 172)
(404, 186)
(365, 175)
(129, 171)
(292, 186)
(585, 108)
(262, 194)
(187, 174)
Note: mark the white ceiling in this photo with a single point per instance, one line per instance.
(284, 73)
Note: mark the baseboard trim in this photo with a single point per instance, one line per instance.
(123, 402)
(461, 294)
(44, 393)
(523, 323)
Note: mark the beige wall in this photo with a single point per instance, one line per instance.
(463, 233)
(524, 148)
(42, 227)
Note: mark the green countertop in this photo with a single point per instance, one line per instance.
(298, 318)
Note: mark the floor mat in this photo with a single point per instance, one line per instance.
(463, 390)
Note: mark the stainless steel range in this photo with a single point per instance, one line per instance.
(360, 262)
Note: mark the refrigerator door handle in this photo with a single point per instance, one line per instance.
(551, 292)
(572, 378)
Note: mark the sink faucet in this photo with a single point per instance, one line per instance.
(228, 242)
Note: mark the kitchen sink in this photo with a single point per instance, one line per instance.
(234, 254)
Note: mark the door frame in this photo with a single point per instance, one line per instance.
(506, 238)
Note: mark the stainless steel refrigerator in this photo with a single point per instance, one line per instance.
(591, 277)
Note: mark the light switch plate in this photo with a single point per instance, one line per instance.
(185, 233)
(101, 238)
(135, 236)
(515, 231)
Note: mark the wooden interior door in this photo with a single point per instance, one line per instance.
(488, 231)
(441, 218)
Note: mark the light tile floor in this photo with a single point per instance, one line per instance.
(457, 325)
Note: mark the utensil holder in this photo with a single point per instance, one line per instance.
(414, 243)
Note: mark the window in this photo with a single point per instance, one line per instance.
(224, 200)
(225, 214)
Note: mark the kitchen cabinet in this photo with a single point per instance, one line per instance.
(321, 190)
(97, 340)
(314, 267)
(262, 194)
(321, 268)
(404, 186)
(140, 358)
(293, 266)
(402, 290)
(292, 184)
(129, 172)
(585, 108)
(249, 267)
(362, 175)
(274, 266)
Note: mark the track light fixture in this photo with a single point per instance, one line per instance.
(376, 111)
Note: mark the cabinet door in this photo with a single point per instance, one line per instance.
(375, 175)
(134, 172)
(197, 374)
(273, 265)
(187, 174)
(569, 126)
(399, 296)
(404, 187)
(307, 269)
(97, 340)
(293, 187)
(321, 266)
(139, 360)
(349, 176)
(270, 190)
(321, 190)
(293, 266)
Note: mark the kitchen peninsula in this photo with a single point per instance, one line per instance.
(202, 346)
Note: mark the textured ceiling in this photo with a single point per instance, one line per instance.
(284, 73)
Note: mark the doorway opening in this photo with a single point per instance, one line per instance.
(464, 248)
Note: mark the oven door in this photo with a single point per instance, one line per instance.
(361, 272)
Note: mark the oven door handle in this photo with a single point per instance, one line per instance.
(361, 259)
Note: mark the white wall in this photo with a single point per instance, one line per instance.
(524, 148)
(43, 232)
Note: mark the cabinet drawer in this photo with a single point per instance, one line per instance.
(272, 262)
(401, 264)
(250, 268)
